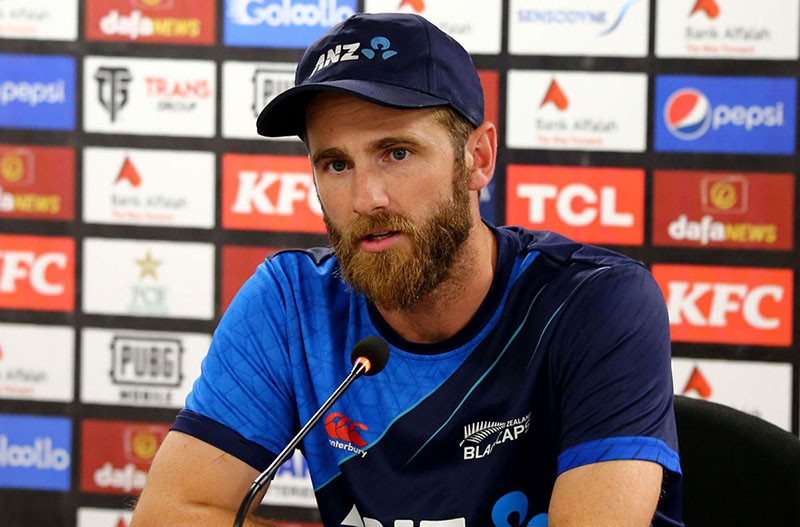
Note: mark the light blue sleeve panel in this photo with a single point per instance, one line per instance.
(246, 381)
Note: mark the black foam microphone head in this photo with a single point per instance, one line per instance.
(375, 349)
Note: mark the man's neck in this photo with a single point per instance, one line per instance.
(449, 308)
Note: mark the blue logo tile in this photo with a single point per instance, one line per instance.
(35, 452)
(740, 115)
(282, 23)
(37, 91)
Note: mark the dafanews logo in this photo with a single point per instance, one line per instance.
(481, 438)
(579, 27)
(282, 23)
(762, 389)
(724, 29)
(345, 433)
(752, 115)
(115, 455)
(166, 21)
(35, 452)
(37, 91)
(718, 209)
(37, 182)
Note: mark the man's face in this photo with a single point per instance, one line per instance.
(394, 199)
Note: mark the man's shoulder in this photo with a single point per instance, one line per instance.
(303, 259)
(298, 268)
(563, 251)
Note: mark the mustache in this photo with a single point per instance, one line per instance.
(379, 222)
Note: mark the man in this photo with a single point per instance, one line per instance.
(529, 382)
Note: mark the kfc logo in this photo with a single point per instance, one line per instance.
(594, 205)
(728, 305)
(269, 193)
(37, 273)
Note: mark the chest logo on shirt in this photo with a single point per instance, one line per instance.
(344, 433)
(482, 437)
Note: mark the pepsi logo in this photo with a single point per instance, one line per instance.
(687, 114)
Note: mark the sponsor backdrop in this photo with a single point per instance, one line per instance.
(136, 199)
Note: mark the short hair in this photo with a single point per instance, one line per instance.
(457, 127)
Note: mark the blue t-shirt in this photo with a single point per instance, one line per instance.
(565, 363)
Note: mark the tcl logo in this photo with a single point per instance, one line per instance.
(594, 205)
(37, 273)
(276, 193)
(727, 304)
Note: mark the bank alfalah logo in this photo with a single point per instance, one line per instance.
(112, 89)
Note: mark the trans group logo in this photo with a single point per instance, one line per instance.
(742, 115)
(37, 91)
(282, 23)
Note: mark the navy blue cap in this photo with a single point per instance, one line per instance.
(395, 60)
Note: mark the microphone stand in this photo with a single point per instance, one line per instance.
(358, 369)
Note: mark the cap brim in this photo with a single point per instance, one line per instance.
(286, 113)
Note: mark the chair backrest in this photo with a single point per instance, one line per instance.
(738, 470)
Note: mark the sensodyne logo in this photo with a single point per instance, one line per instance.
(475, 444)
(380, 47)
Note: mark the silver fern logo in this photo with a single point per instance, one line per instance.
(480, 438)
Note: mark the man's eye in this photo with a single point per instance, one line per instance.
(338, 165)
(398, 154)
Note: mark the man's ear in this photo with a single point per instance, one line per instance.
(480, 155)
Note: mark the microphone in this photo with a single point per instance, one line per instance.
(369, 356)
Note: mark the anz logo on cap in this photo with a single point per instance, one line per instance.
(379, 47)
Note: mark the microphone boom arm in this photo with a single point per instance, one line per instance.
(359, 368)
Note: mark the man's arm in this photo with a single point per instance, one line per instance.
(607, 494)
(194, 483)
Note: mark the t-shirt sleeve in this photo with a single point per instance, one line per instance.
(243, 402)
(612, 371)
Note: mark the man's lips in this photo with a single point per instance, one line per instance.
(379, 240)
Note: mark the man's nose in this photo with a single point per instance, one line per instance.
(369, 192)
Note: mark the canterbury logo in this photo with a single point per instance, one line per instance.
(477, 432)
(340, 427)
